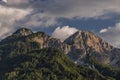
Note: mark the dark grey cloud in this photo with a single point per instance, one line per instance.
(69, 8)
(9, 17)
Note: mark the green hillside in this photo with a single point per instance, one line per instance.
(22, 59)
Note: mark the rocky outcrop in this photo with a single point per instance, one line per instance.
(84, 43)
(47, 41)
(23, 32)
(85, 40)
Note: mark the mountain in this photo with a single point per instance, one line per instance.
(24, 59)
(84, 43)
(43, 39)
(77, 47)
(33, 56)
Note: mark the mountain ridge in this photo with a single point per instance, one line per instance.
(76, 47)
(38, 56)
(86, 43)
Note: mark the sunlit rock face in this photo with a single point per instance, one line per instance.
(84, 43)
(46, 41)
(85, 40)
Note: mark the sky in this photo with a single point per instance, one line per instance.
(62, 18)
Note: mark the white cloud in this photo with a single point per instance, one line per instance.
(14, 13)
(64, 32)
(103, 30)
(40, 19)
(4, 1)
(17, 3)
(9, 18)
(3, 31)
(112, 35)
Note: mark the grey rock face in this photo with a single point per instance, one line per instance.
(23, 32)
(85, 43)
(80, 45)
(47, 41)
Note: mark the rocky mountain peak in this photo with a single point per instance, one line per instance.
(85, 43)
(88, 40)
(77, 47)
(23, 32)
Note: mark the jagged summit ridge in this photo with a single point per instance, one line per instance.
(23, 32)
(44, 40)
(84, 43)
(86, 39)
(77, 47)
(31, 57)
